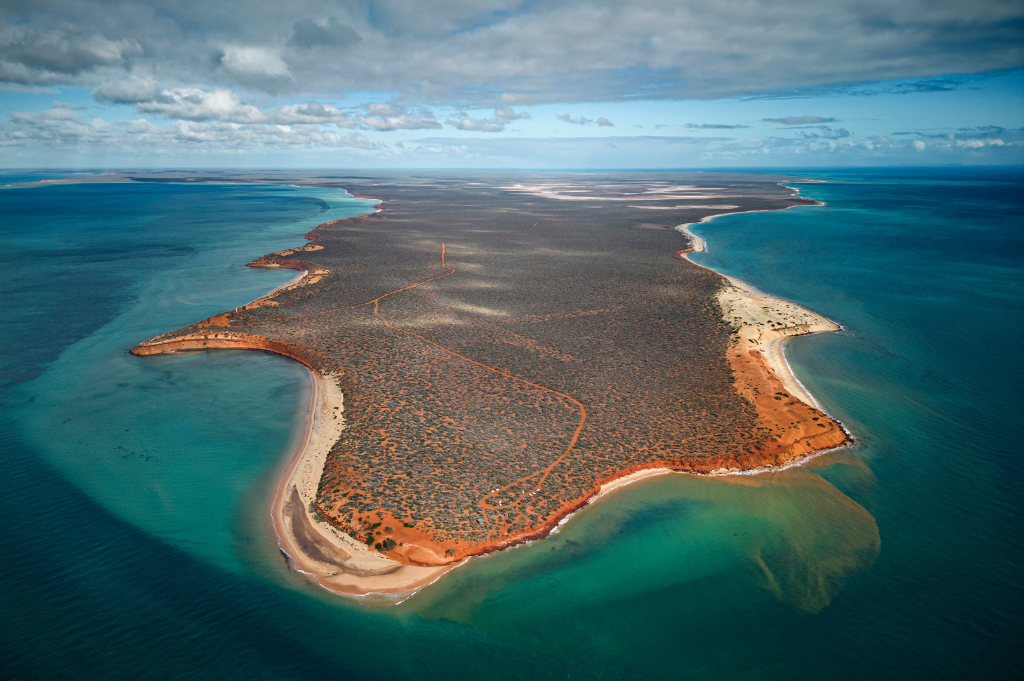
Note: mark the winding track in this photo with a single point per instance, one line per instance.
(544, 472)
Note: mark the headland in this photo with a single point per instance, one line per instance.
(492, 352)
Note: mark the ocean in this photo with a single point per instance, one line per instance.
(136, 539)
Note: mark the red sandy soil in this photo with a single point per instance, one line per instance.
(797, 429)
(792, 430)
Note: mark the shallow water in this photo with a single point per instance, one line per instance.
(136, 541)
(21, 176)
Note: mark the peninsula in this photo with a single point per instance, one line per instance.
(490, 351)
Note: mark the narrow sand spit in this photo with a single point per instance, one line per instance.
(333, 559)
(764, 324)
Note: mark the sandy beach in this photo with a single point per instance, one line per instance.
(764, 323)
(329, 557)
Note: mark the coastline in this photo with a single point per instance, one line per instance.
(314, 547)
(310, 545)
(753, 312)
(747, 306)
(344, 565)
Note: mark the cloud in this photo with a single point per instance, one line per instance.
(127, 90)
(227, 135)
(825, 132)
(477, 124)
(799, 120)
(503, 115)
(257, 67)
(985, 129)
(514, 53)
(193, 104)
(60, 125)
(386, 117)
(355, 140)
(934, 85)
(313, 112)
(66, 127)
(58, 56)
(60, 111)
(307, 34)
(516, 98)
(566, 118)
(508, 114)
(979, 143)
(715, 126)
(63, 126)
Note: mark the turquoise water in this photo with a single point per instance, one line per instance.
(136, 542)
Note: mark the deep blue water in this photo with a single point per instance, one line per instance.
(135, 540)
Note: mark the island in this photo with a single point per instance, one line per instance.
(491, 351)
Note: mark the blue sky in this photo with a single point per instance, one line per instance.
(473, 84)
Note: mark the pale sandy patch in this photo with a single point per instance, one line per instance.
(765, 323)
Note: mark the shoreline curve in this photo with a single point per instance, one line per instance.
(345, 566)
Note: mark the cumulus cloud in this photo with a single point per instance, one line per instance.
(979, 143)
(63, 125)
(60, 125)
(799, 120)
(127, 90)
(60, 111)
(193, 104)
(503, 115)
(312, 112)
(220, 104)
(386, 117)
(566, 118)
(227, 135)
(257, 67)
(477, 124)
(508, 114)
(307, 34)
